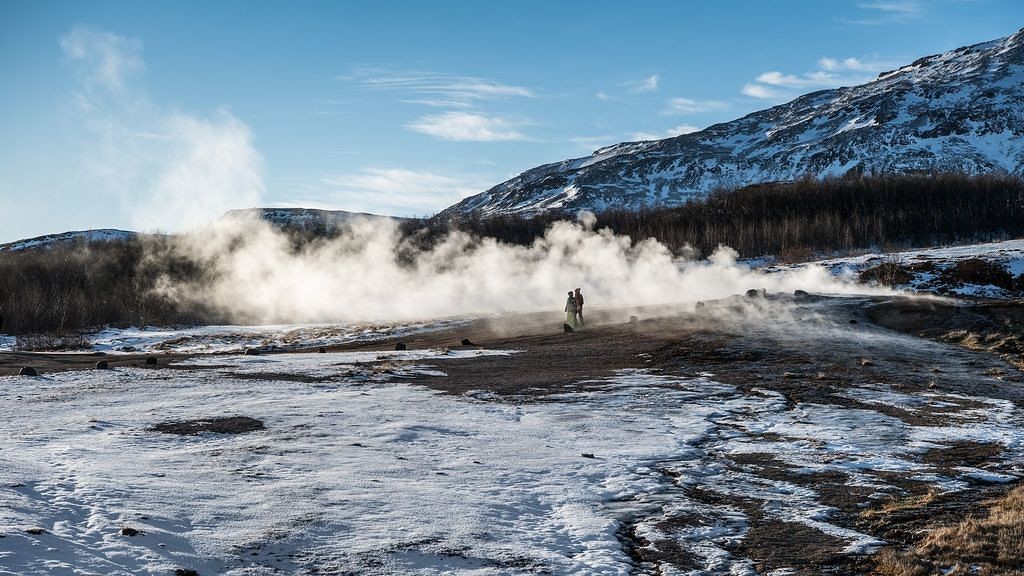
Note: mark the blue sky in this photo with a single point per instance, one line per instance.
(162, 114)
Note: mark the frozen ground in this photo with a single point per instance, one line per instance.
(926, 266)
(358, 471)
(211, 339)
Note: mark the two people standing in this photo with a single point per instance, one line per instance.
(574, 309)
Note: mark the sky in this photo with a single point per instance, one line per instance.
(161, 115)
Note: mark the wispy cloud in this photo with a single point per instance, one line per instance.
(466, 127)
(434, 89)
(830, 73)
(108, 59)
(649, 84)
(395, 191)
(689, 106)
(670, 133)
(881, 12)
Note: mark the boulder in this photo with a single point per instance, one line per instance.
(28, 371)
(102, 365)
(400, 346)
(322, 350)
(150, 360)
(466, 342)
(800, 293)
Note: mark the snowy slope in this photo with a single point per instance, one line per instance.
(355, 474)
(66, 238)
(960, 111)
(936, 269)
(302, 218)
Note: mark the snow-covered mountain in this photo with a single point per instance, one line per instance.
(960, 111)
(301, 218)
(68, 238)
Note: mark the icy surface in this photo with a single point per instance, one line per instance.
(927, 265)
(212, 339)
(358, 471)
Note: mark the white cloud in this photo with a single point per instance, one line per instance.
(856, 64)
(888, 12)
(649, 84)
(602, 96)
(434, 89)
(670, 133)
(161, 168)
(689, 106)
(830, 73)
(397, 191)
(108, 59)
(466, 127)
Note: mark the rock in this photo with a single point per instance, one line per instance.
(567, 329)
(126, 531)
(151, 360)
(322, 350)
(866, 362)
(852, 321)
(633, 319)
(757, 292)
(35, 531)
(102, 365)
(400, 346)
(800, 293)
(221, 425)
(28, 371)
(588, 455)
(699, 304)
(251, 352)
(466, 342)
(127, 349)
(185, 572)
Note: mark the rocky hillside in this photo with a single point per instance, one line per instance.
(960, 111)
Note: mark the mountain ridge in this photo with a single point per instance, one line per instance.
(958, 111)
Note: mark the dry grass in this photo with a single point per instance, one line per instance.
(60, 342)
(984, 546)
(898, 504)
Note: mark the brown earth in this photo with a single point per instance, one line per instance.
(810, 350)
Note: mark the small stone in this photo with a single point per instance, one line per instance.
(633, 319)
(127, 531)
(699, 304)
(185, 572)
(866, 362)
(588, 455)
(800, 293)
(151, 360)
(466, 342)
(322, 350)
(102, 365)
(400, 346)
(35, 531)
(28, 371)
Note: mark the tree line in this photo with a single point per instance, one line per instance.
(75, 287)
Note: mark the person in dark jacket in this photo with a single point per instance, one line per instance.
(579, 305)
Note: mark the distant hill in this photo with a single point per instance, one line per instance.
(310, 219)
(68, 238)
(961, 111)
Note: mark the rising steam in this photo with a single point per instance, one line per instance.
(371, 273)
